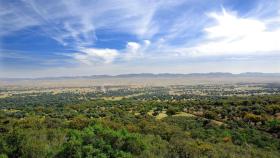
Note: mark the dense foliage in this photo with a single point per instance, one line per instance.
(154, 123)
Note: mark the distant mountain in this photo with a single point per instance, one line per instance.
(151, 75)
(256, 74)
(169, 75)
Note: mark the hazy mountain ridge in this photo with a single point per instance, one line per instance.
(151, 75)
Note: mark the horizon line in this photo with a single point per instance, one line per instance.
(143, 73)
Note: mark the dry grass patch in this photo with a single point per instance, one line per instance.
(184, 114)
(161, 115)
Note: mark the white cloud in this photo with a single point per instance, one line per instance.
(91, 56)
(233, 35)
(231, 27)
(135, 50)
(132, 50)
(132, 47)
(147, 42)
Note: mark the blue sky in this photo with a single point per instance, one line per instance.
(41, 38)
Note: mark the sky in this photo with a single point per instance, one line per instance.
(40, 38)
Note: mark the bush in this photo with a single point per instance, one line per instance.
(210, 115)
(171, 111)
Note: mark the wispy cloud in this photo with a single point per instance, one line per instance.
(74, 23)
(14, 19)
(160, 32)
